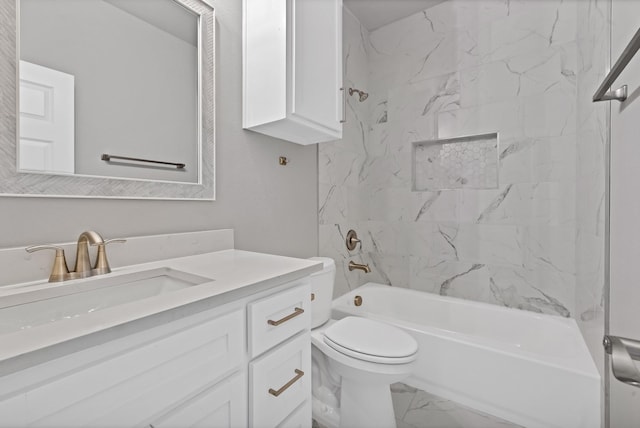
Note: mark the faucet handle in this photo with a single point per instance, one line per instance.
(352, 240)
(102, 264)
(60, 271)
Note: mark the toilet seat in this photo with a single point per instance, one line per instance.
(369, 340)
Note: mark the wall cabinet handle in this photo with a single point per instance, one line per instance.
(344, 105)
(296, 312)
(299, 374)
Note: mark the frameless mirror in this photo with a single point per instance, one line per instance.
(115, 98)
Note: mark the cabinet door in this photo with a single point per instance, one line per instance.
(300, 418)
(137, 378)
(317, 63)
(222, 406)
(292, 69)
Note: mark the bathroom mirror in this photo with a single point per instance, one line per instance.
(110, 98)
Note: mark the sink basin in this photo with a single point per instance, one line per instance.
(30, 309)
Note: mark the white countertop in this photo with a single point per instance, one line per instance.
(235, 274)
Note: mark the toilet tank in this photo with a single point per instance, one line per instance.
(322, 289)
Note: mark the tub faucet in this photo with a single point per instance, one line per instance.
(83, 263)
(363, 267)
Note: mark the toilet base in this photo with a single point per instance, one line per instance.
(366, 405)
(326, 416)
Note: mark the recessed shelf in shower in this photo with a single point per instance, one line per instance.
(469, 162)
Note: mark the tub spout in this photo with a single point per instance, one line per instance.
(364, 268)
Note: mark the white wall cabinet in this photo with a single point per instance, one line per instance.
(292, 69)
(190, 372)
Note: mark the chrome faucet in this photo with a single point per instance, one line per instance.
(60, 271)
(363, 267)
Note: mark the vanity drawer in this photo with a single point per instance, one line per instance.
(276, 318)
(131, 384)
(279, 382)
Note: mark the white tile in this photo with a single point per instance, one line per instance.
(333, 204)
(449, 278)
(504, 118)
(552, 114)
(434, 242)
(440, 206)
(530, 160)
(427, 97)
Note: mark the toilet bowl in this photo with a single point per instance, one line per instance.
(354, 362)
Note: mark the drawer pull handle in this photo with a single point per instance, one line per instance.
(299, 374)
(296, 312)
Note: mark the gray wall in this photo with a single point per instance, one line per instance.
(272, 208)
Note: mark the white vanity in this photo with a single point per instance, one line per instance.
(215, 338)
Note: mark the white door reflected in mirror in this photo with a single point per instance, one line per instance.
(46, 120)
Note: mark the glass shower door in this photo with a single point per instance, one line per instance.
(623, 399)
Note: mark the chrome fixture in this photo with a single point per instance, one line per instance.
(362, 267)
(619, 94)
(352, 240)
(623, 352)
(362, 95)
(283, 161)
(60, 271)
(357, 300)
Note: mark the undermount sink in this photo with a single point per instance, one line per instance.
(30, 309)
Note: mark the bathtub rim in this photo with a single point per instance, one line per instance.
(587, 365)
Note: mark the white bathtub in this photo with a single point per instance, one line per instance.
(533, 370)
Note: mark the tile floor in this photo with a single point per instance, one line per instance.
(415, 408)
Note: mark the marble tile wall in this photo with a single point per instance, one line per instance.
(457, 69)
(340, 163)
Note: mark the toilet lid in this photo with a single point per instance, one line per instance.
(371, 340)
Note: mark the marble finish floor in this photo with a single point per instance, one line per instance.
(415, 408)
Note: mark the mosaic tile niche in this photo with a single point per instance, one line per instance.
(456, 163)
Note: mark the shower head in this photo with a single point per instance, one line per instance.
(361, 94)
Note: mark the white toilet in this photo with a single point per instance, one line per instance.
(354, 362)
